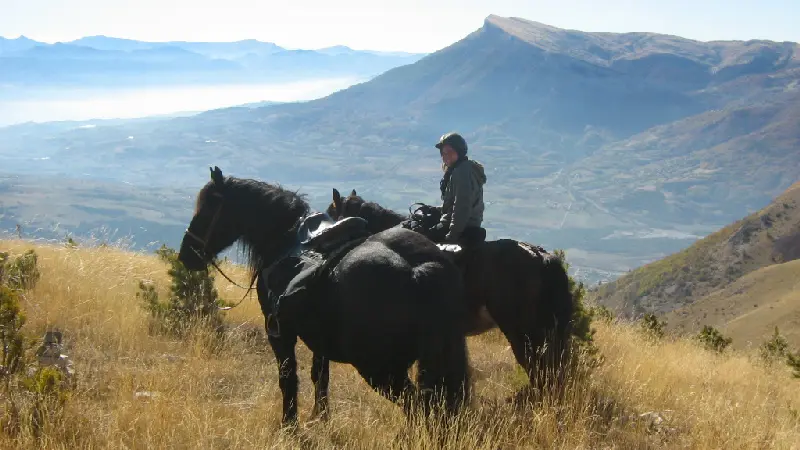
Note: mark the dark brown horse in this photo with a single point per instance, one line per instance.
(512, 285)
(389, 301)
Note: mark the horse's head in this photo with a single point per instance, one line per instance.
(212, 228)
(342, 207)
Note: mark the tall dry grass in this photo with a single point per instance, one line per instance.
(210, 394)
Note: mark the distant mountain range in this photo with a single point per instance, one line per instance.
(107, 61)
(620, 148)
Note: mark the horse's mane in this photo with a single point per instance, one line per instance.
(376, 215)
(272, 211)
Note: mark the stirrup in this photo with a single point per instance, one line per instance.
(273, 327)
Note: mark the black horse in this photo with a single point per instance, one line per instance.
(518, 287)
(391, 300)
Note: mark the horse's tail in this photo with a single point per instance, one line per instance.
(443, 367)
(560, 306)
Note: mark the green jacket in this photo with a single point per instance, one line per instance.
(463, 199)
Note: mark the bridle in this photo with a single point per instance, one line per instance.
(204, 255)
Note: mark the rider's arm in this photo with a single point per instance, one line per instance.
(462, 191)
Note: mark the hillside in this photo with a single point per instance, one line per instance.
(749, 309)
(137, 388)
(714, 164)
(764, 238)
(619, 148)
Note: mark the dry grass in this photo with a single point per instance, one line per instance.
(226, 395)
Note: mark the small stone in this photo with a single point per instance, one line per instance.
(145, 395)
(172, 358)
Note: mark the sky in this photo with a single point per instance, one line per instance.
(407, 25)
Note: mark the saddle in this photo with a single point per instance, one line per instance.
(320, 244)
(318, 232)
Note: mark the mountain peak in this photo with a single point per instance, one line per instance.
(517, 24)
(594, 48)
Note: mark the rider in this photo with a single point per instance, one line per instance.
(462, 194)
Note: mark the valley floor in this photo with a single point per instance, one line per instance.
(136, 389)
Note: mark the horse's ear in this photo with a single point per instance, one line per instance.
(337, 197)
(353, 194)
(216, 175)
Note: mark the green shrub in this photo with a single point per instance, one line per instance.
(69, 242)
(12, 318)
(602, 313)
(582, 332)
(652, 327)
(777, 348)
(793, 360)
(774, 349)
(712, 339)
(21, 272)
(192, 296)
(582, 329)
(48, 388)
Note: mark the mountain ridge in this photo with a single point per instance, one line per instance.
(104, 42)
(766, 237)
(748, 309)
(106, 61)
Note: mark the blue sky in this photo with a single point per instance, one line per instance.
(409, 25)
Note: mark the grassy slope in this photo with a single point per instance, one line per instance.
(761, 239)
(749, 309)
(228, 397)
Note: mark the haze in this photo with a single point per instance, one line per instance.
(52, 104)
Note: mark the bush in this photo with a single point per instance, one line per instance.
(602, 313)
(582, 331)
(777, 348)
(20, 273)
(36, 398)
(652, 327)
(192, 296)
(712, 339)
(47, 386)
(774, 349)
(793, 360)
(581, 316)
(12, 318)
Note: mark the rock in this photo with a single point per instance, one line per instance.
(49, 354)
(657, 422)
(145, 395)
(172, 358)
(653, 418)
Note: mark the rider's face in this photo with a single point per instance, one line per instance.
(449, 156)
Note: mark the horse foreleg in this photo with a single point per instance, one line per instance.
(283, 347)
(320, 375)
